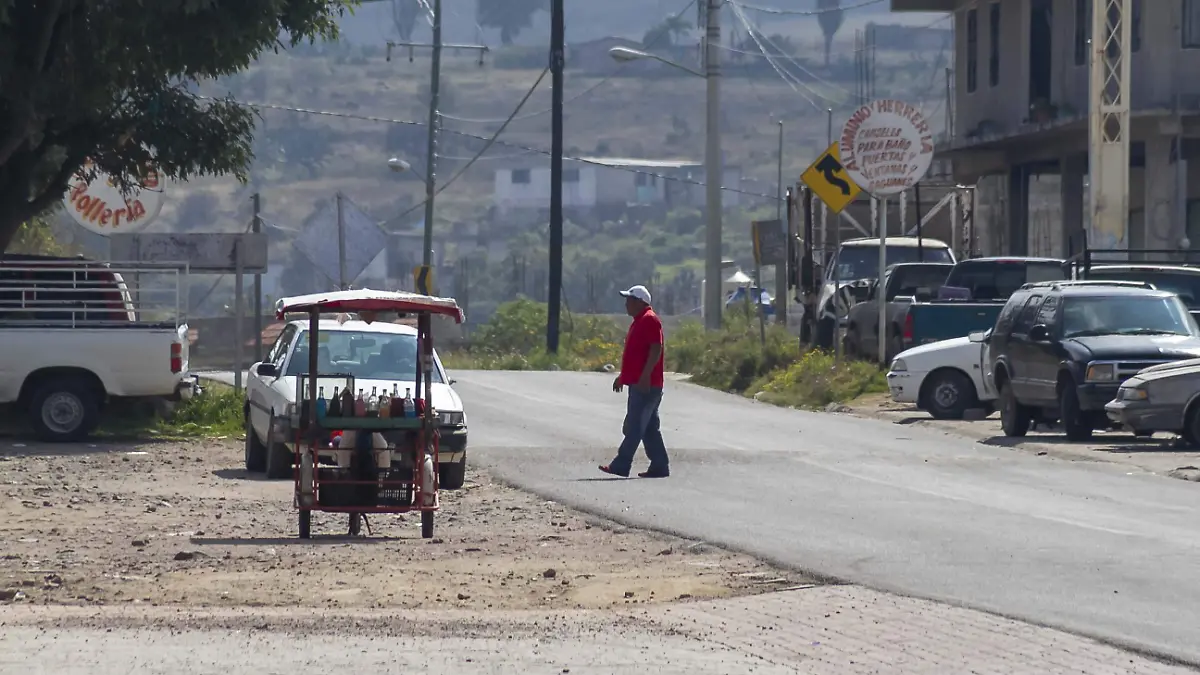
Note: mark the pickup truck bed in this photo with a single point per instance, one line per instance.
(935, 321)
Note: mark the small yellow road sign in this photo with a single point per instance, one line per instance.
(423, 279)
(829, 180)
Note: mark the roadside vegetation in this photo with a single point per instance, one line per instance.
(215, 413)
(735, 359)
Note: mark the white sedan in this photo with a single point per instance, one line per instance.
(379, 355)
(943, 378)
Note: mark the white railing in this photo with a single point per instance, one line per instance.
(91, 294)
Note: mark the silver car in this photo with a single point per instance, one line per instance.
(1161, 398)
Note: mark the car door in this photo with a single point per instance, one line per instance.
(260, 392)
(1023, 353)
(1048, 354)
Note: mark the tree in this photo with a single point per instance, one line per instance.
(36, 236)
(665, 33)
(115, 82)
(830, 18)
(510, 16)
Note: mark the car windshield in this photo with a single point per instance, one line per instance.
(1185, 285)
(862, 262)
(1131, 315)
(365, 355)
(997, 279)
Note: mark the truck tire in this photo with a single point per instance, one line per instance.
(1078, 428)
(452, 475)
(1014, 417)
(256, 452)
(850, 344)
(826, 333)
(64, 410)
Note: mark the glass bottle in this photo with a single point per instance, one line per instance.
(322, 404)
(360, 405)
(385, 404)
(373, 403)
(335, 404)
(397, 402)
(410, 409)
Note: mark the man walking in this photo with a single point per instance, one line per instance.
(642, 372)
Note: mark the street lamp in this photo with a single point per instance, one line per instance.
(712, 158)
(398, 165)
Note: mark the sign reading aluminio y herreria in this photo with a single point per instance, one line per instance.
(886, 147)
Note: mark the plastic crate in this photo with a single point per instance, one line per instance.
(336, 494)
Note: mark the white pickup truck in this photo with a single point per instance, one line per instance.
(379, 355)
(75, 337)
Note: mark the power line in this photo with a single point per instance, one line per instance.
(620, 65)
(811, 12)
(507, 144)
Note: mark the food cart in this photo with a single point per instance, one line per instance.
(399, 477)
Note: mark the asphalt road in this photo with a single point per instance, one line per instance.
(1078, 545)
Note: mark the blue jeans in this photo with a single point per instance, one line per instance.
(642, 427)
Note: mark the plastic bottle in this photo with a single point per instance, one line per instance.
(322, 404)
(373, 403)
(397, 402)
(410, 408)
(335, 404)
(360, 405)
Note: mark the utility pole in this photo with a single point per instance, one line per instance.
(713, 173)
(256, 227)
(343, 282)
(557, 57)
(435, 81)
(781, 270)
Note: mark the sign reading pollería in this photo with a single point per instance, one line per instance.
(99, 206)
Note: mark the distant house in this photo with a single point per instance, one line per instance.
(608, 181)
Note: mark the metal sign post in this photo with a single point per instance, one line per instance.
(886, 147)
(237, 316)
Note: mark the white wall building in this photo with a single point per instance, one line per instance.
(608, 181)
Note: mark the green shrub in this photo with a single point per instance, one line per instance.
(816, 380)
(514, 338)
(731, 359)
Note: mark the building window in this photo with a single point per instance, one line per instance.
(1135, 26)
(1083, 30)
(972, 50)
(570, 175)
(520, 176)
(1190, 27)
(994, 36)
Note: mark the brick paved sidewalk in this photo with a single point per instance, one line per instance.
(848, 630)
(835, 630)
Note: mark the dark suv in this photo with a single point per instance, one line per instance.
(1060, 350)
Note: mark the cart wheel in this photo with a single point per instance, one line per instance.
(305, 524)
(355, 524)
(427, 524)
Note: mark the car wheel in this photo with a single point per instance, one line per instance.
(63, 410)
(1071, 417)
(948, 394)
(256, 452)
(279, 459)
(1014, 417)
(452, 475)
(850, 344)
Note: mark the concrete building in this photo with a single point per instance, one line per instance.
(1020, 110)
(608, 181)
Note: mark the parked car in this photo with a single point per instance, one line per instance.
(855, 267)
(973, 295)
(903, 284)
(1160, 398)
(378, 355)
(944, 379)
(1060, 350)
(77, 337)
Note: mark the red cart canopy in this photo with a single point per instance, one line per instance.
(367, 300)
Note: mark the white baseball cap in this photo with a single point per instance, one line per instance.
(639, 292)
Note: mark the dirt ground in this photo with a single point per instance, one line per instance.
(180, 524)
(1161, 454)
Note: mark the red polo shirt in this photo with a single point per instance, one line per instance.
(645, 332)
